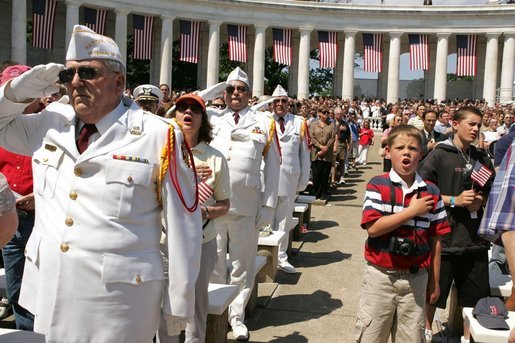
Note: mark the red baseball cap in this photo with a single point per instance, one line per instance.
(194, 97)
(12, 71)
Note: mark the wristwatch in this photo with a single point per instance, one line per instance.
(452, 200)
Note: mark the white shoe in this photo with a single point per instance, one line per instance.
(240, 332)
(342, 181)
(428, 336)
(286, 267)
(5, 308)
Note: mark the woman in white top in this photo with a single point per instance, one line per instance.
(490, 135)
(8, 215)
(214, 193)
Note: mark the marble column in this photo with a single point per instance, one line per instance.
(348, 65)
(19, 32)
(508, 63)
(72, 19)
(120, 36)
(213, 56)
(490, 78)
(165, 71)
(392, 92)
(303, 80)
(442, 50)
(338, 71)
(258, 80)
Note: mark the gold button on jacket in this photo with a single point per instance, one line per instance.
(68, 221)
(65, 247)
(73, 195)
(77, 171)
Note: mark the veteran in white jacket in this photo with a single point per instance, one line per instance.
(93, 270)
(293, 134)
(245, 138)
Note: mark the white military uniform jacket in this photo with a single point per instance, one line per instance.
(93, 270)
(243, 145)
(296, 163)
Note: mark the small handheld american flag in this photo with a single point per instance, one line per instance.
(480, 174)
(204, 191)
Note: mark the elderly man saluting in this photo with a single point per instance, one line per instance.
(93, 270)
(245, 138)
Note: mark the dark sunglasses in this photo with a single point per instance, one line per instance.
(231, 89)
(283, 101)
(183, 106)
(218, 105)
(85, 73)
(325, 112)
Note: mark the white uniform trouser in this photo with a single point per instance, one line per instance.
(238, 236)
(196, 332)
(282, 222)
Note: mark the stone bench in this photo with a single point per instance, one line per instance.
(220, 297)
(478, 333)
(309, 200)
(269, 247)
(252, 304)
(294, 223)
(299, 211)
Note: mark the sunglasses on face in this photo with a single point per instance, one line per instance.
(85, 73)
(218, 105)
(325, 112)
(239, 89)
(283, 101)
(182, 107)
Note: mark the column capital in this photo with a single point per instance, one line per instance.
(122, 11)
(306, 29)
(73, 2)
(508, 34)
(168, 17)
(493, 34)
(396, 34)
(215, 22)
(443, 34)
(260, 26)
(350, 32)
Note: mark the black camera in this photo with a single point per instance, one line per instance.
(402, 246)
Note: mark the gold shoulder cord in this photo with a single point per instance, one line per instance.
(271, 135)
(165, 160)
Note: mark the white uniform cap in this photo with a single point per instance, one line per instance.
(147, 92)
(86, 44)
(279, 91)
(238, 75)
(212, 92)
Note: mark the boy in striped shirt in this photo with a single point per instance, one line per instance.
(404, 217)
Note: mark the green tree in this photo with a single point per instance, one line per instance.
(454, 77)
(320, 79)
(184, 74)
(138, 71)
(227, 66)
(275, 73)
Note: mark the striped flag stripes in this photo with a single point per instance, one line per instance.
(282, 41)
(328, 46)
(419, 51)
(143, 27)
(237, 35)
(190, 33)
(466, 62)
(43, 16)
(204, 191)
(373, 52)
(95, 19)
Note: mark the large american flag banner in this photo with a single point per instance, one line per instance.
(419, 52)
(282, 45)
(143, 30)
(328, 46)
(95, 19)
(480, 174)
(466, 63)
(373, 52)
(43, 16)
(190, 33)
(237, 35)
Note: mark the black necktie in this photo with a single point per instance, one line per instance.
(84, 134)
(236, 118)
(281, 124)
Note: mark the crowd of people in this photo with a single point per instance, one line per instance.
(132, 199)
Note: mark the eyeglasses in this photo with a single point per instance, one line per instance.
(324, 112)
(85, 73)
(283, 101)
(218, 105)
(183, 106)
(240, 89)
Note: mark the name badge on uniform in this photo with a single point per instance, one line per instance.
(50, 147)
